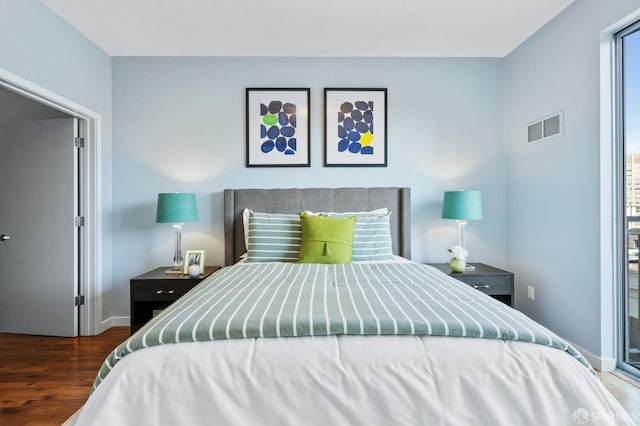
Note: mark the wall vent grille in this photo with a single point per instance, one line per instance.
(535, 131)
(547, 127)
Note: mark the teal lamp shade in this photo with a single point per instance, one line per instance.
(176, 207)
(462, 205)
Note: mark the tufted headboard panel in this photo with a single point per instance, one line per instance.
(295, 200)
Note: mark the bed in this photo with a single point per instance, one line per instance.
(377, 341)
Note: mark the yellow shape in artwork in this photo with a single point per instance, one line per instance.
(366, 139)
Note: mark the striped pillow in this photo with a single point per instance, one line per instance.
(273, 237)
(371, 236)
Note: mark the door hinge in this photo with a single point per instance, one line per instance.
(78, 142)
(79, 221)
(79, 300)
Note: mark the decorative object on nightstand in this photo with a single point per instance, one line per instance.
(153, 291)
(194, 271)
(458, 262)
(177, 208)
(194, 262)
(495, 282)
(462, 206)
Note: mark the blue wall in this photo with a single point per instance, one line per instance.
(179, 126)
(39, 46)
(553, 187)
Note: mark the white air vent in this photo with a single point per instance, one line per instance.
(546, 127)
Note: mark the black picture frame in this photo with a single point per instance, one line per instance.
(355, 127)
(278, 127)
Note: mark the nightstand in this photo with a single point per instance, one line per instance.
(495, 282)
(155, 290)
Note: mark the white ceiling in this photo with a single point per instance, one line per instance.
(377, 28)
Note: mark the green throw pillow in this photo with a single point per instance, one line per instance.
(326, 239)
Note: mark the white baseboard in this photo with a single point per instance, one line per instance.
(116, 322)
(603, 364)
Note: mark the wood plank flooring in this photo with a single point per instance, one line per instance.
(44, 380)
(625, 389)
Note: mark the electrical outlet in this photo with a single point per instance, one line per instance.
(530, 292)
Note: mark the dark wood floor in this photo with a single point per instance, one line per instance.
(44, 380)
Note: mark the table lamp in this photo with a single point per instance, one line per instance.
(177, 208)
(462, 206)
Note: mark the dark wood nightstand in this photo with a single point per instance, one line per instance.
(155, 290)
(495, 282)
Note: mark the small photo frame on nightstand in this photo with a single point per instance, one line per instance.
(193, 257)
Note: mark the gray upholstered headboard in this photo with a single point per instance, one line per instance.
(295, 200)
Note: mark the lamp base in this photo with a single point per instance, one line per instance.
(469, 268)
(178, 260)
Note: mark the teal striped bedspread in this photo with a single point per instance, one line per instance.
(269, 300)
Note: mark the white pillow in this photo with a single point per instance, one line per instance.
(383, 210)
(245, 226)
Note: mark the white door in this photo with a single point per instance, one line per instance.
(38, 205)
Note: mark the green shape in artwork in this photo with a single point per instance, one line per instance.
(270, 119)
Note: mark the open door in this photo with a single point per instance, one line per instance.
(38, 208)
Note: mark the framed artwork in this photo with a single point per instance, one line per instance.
(355, 127)
(193, 257)
(278, 130)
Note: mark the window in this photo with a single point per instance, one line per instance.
(628, 116)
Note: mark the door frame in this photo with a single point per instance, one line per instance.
(612, 220)
(90, 278)
(622, 329)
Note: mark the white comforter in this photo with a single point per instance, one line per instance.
(352, 380)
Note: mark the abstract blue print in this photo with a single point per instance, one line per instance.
(278, 127)
(355, 127)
